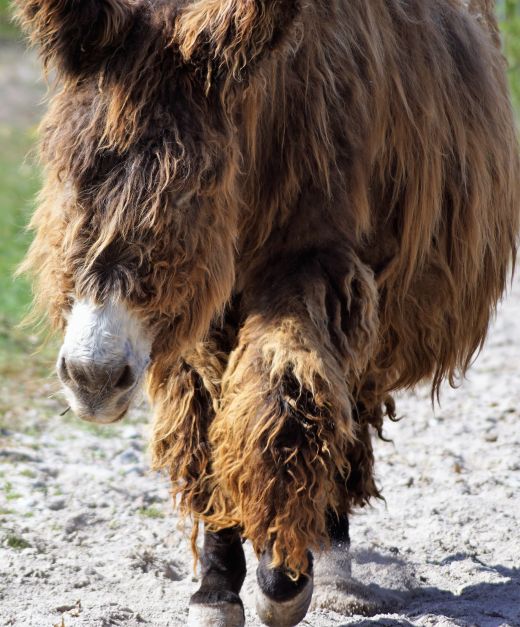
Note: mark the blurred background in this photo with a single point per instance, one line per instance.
(21, 96)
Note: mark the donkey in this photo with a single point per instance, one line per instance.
(276, 213)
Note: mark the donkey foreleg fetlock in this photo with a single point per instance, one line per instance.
(333, 566)
(223, 567)
(335, 588)
(282, 600)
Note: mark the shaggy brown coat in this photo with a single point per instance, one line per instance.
(313, 203)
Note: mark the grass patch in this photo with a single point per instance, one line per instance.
(17, 542)
(19, 181)
(21, 357)
(150, 512)
(10, 494)
(8, 30)
(30, 474)
(509, 14)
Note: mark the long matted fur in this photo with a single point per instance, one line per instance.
(347, 170)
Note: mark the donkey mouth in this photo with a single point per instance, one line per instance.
(99, 405)
(101, 418)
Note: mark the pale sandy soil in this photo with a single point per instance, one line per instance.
(88, 536)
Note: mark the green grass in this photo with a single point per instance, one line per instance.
(151, 512)
(9, 493)
(19, 182)
(8, 30)
(27, 472)
(510, 24)
(16, 542)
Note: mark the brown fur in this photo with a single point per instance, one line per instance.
(347, 170)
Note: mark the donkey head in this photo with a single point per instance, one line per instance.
(147, 248)
(146, 256)
(136, 229)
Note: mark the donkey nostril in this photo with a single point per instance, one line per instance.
(126, 379)
(95, 380)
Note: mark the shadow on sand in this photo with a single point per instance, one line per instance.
(486, 604)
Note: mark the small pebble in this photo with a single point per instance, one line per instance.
(77, 522)
(57, 504)
(127, 457)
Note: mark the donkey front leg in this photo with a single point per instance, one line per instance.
(185, 395)
(334, 587)
(223, 568)
(333, 569)
(281, 598)
(284, 429)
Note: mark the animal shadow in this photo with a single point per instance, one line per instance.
(402, 597)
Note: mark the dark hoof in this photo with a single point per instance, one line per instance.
(280, 601)
(284, 613)
(216, 609)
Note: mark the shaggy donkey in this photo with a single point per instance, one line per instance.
(278, 213)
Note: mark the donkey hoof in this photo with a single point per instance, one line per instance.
(281, 601)
(284, 613)
(216, 609)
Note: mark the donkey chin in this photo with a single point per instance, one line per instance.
(103, 360)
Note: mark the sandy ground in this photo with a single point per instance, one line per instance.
(88, 536)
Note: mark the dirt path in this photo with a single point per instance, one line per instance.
(88, 537)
